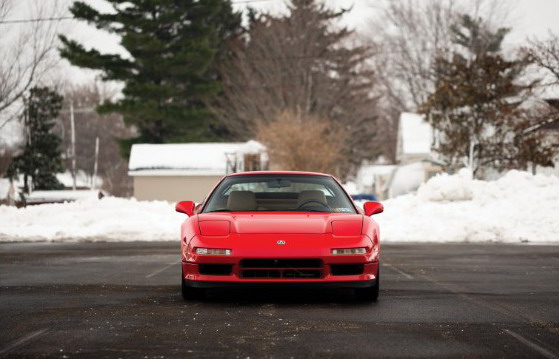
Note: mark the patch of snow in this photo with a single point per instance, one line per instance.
(188, 158)
(108, 219)
(517, 208)
(444, 187)
(208, 157)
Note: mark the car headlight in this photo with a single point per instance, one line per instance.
(346, 251)
(213, 251)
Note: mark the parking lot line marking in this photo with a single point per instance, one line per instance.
(162, 269)
(532, 345)
(23, 340)
(398, 270)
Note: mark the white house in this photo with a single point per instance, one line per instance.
(188, 171)
(414, 155)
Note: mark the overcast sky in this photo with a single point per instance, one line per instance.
(529, 18)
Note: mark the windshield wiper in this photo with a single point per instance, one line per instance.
(219, 210)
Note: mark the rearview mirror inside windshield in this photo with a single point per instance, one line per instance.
(278, 183)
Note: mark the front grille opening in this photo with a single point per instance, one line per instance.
(301, 273)
(215, 269)
(281, 263)
(281, 273)
(346, 269)
(261, 273)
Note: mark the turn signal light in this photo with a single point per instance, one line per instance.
(349, 251)
(214, 251)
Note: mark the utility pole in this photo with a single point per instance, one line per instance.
(73, 139)
(94, 180)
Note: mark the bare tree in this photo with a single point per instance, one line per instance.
(27, 51)
(89, 126)
(410, 34)
(303, 143)
(546, 55)
(302, 63)
(6, 156)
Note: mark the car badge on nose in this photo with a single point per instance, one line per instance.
(281, 242)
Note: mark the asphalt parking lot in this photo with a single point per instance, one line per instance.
(112, 300)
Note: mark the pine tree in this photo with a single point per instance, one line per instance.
(173, 47)
(42, 157)
(476, 106)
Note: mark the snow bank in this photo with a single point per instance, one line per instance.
(108, 219)
(517, 208)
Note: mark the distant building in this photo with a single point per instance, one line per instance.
(415, 139)
(417, 162)
(188, 171)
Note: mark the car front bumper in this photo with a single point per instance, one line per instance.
(332, 271)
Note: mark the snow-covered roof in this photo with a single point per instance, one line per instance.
(186, 158)
(62, 195)
(82, 179)
(415, 133)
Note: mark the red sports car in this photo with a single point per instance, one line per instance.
(279, 228)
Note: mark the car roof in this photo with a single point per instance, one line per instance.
(278, 173)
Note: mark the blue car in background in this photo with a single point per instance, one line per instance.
(364, 197)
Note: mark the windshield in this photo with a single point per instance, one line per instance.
(306, 193)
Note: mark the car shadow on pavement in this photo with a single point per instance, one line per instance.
(288, 296)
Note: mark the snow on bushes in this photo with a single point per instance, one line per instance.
(517, 208)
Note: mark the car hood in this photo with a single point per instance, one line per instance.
(344, 224)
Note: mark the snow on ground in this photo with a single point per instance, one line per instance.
(517, 208)
(108, 219)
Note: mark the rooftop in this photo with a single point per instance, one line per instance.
(186, 158)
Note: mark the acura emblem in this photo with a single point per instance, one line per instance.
(281, 242)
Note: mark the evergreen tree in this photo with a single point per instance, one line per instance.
(476, 106)
(169, 74)
(41, 158)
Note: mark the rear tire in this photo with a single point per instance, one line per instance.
(369, 294)
(189, 292)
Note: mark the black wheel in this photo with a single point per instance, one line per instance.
(190, 293)
(369, 294)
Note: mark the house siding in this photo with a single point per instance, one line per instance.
(173, 188)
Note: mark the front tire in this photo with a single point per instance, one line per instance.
(189, 292)
(369, 294)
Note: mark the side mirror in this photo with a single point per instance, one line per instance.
(186, 207)
(373, 207)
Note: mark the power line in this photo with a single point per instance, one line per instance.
(59, 18)
(19, 21)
